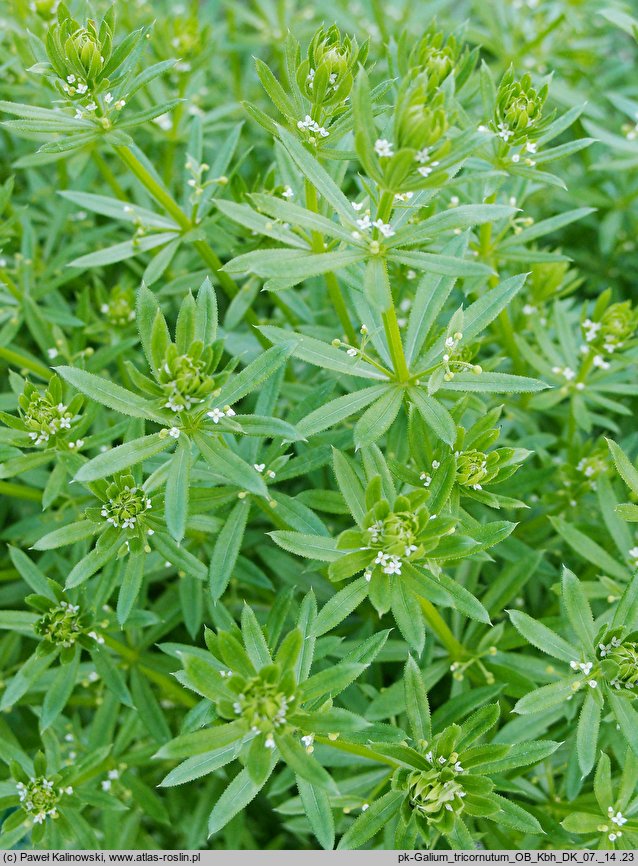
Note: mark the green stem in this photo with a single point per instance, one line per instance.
(332, 284)
(108, 175)
(389, 317)
(153, 187)
(393, 336)
(441, 629)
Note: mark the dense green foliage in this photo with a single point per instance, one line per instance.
(317, 448)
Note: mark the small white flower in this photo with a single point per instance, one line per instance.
(385, 228)
(287, 193)
(600, 362)
(504, 132)
(106, 785)
(383, 147)
(216, 415)
(108, 98)
(82, 88)
(113, 774)
(52, 353)
(259, 466)
(352, 352)
(270, 742)
(531, 146)
(174, 432)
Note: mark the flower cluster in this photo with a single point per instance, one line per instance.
(125, 506)
(46, 418)
(185, 378)
(39, 798)
(518, 113)
(326, 76)
(392, 535)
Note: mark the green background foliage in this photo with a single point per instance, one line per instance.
(318, 447)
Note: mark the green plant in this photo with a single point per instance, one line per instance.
(312, 537)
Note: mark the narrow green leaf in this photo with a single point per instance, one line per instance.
(227, 547)
(109, 394)
(416, 702)
(121, 457)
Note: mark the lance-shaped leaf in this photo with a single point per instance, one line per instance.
(109, 394)
(130, 453)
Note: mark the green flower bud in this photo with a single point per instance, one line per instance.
(626, 657)
(79, 53)
(262, 701)
(185, 378)
(39, 798)
(46, 418)
(420, 119)
(475, 468)
(63, 624)
(326, 76)
(436, 795)
(519, 108)
(119, 310)
(436, 56)
(618, 324)
(125, 504)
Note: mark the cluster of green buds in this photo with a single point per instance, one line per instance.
(611, 327)
(619, 659)
(119, 308)
(84, 60)
(475, 468)
(261, 701)
(411, 157)
(478, 463)
(185, 378)
(438, 56)
(546, 281)
(518, 113)
(326, 76)
(393, 535)
(125, 507)
(578, 475)
(38, 797)
(45, 417)
(62, 624)
(435, 793)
